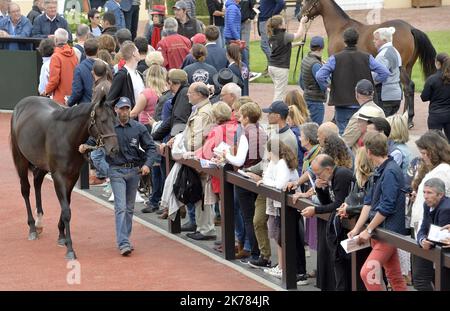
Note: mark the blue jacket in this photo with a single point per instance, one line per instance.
(23, 29)
(42, 26)
(387, 196)
(232, 29)
(114, 7)
(440, 216)
(216, 56)
(82, 83)
(269, 8)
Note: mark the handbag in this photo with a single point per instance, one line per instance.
(355, 199)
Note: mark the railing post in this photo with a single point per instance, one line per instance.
(288, 245)
(358, 258)
(441, 273)
(83, 180)
(227, 213)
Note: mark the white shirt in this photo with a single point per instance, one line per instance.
(138, 84)
(45, 73)
(241, 153)
(96, 32)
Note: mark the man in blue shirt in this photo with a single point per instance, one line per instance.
(15, 25)
(267, 9)
(124, 170)
(45, 25)
(114, 7)
(346, 68)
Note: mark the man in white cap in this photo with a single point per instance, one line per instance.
(356, 127)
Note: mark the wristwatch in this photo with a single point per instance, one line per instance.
(369, 231)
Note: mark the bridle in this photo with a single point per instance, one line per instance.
(308, 11)
(92, 123)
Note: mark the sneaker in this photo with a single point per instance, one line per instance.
(107, 190)
(260, 263)
(275, 271)
(302, 279)
(139, 199)
(254, 76)
(97, 182)
(111, 198)
(125, 251)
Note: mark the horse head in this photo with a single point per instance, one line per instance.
(311, 8)
(101, 127)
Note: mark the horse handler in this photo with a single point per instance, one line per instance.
(125, 168)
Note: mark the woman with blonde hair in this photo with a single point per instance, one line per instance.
(280, 42)
(294, 120)
(294, 97)
(397, 140)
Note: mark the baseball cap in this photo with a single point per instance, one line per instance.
(364, 87)
(180, 5)
(123, 102)
(278, 107)
(199, 38)
(317, 41)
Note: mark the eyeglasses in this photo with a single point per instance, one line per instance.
(97, 17)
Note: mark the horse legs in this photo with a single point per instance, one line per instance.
(409, 88)
(38, 179)
(63, 188)
(22, 169)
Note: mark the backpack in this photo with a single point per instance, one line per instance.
(188, 186)
(81, 49)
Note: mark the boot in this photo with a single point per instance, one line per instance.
(165, 214)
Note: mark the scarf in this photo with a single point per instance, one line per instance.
(156, 36)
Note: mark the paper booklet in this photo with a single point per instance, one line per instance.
(351, 245)
(243, 173)
(437, 235)
(221, 148)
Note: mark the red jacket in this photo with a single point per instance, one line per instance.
(62, 66)
(174, 49)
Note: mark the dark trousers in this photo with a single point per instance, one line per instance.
(422, 274)
(300, 245)
(157, 185)
(132, 20)
(440, 122)
(247, 203)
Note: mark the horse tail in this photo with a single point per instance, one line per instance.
(425, 50)
(18, 157)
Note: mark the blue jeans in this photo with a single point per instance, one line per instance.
(298, 8)
(239, 228)
(101, 166)
(157, 185)
(343, 115)
(246, 28)
(316, 111)
(221, 40)
(191, 213)
(124, 184)
(264, 40)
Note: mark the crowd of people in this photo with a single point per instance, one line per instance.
(186, 86)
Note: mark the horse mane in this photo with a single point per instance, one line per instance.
(340, 10)
(67, 114)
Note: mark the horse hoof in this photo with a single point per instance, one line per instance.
(32, 236)
(39, 230)
(71, 256)
(62, 242)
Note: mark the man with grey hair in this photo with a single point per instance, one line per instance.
(4, 4)
(230, 94)
(389, 92)
(174, 47)
(436, 211)
(198, 127)
(62, 66)
(15, 24)
(82, 35)
(45, 25)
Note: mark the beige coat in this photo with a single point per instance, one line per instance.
(198, 126)
(352, 132)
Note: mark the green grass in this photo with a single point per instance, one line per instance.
(440, 40)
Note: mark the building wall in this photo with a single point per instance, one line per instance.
(395, 4)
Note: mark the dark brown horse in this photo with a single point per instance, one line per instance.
(45, 138)
(410, 42)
